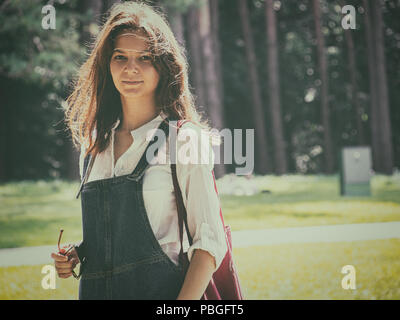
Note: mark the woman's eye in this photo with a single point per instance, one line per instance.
(145, 58)
(119, 57)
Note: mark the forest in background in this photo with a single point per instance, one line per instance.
(288, 69)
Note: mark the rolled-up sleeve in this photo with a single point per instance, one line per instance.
(200, 197)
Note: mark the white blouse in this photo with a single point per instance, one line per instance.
(195, 180)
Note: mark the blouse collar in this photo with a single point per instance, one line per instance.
(142, 130)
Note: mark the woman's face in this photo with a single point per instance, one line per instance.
(131, 67)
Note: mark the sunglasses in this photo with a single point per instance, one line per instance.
(64, 252)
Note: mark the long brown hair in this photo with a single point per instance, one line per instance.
(95, 104)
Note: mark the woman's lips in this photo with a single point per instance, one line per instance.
(132, 82)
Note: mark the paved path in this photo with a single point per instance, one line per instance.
(330, 233)
(245, 238)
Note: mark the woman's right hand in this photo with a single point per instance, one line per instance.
(65, 264)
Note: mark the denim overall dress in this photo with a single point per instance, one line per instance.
(123, 259)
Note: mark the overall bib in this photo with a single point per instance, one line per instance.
(123, 259)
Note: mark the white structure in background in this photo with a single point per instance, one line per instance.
(355, 171)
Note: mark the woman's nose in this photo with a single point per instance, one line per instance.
(132, 66)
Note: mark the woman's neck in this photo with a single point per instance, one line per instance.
(136, 113)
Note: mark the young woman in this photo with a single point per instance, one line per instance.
(136, 80)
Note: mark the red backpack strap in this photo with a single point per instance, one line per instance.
(182, 213)
(180, 207)
(181, 123)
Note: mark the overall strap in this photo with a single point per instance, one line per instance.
(140, 167)
(87, 162)
(144, 162)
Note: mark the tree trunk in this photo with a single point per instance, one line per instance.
(214, 102)
(385, 128)
(354, 88)
(274, 90)
(213, 98)
(356, 107)
(195, 58)
(175, 20)
(263, 161)
(3, 132)
(214, 12)
(323, 72)
(374, 114)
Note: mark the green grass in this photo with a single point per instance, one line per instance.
(25, 283)
(298, 200)
(31, 213)
(284, 271)
(313, 270)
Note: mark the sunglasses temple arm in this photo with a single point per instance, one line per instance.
(59, 239)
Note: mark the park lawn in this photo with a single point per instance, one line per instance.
(313, 270)
(298, 200)
(31, 213)
(284, 271)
